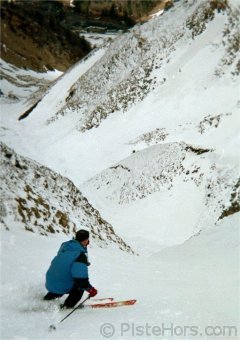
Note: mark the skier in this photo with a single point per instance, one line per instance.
(68, 272)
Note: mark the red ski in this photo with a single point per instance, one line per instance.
(112, 304)
(98, 305)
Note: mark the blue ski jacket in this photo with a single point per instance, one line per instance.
(69, 267)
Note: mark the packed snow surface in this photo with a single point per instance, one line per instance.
(179, 287)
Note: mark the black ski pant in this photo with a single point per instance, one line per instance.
(75, 295)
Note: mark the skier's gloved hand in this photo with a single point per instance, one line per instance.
(92, 291)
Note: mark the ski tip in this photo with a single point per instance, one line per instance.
(131, 302)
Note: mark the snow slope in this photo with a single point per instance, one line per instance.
(180, 287)
(148, 129)
(188, 92)
(164, 193)
(167, 82)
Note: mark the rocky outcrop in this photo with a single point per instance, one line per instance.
(130, 11)
(39, 200)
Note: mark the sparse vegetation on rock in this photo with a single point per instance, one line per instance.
(45, 202)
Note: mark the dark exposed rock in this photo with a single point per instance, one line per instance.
(119, 12)
(33, 37)
(197, 150)
(234, 205)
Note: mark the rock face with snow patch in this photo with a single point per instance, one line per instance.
(45, 202)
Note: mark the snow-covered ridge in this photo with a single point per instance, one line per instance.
(45, 202)
(191, 104)
(130, 68)
(61, 89)
(125, 74)
(154, 169)
(141, 174)
(187, 180)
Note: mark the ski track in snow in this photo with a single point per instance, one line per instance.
(180, 285)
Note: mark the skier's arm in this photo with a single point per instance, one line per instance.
(79, 272)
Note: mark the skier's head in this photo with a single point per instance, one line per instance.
(82, 236)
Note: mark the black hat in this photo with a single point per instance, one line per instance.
(82, 235)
